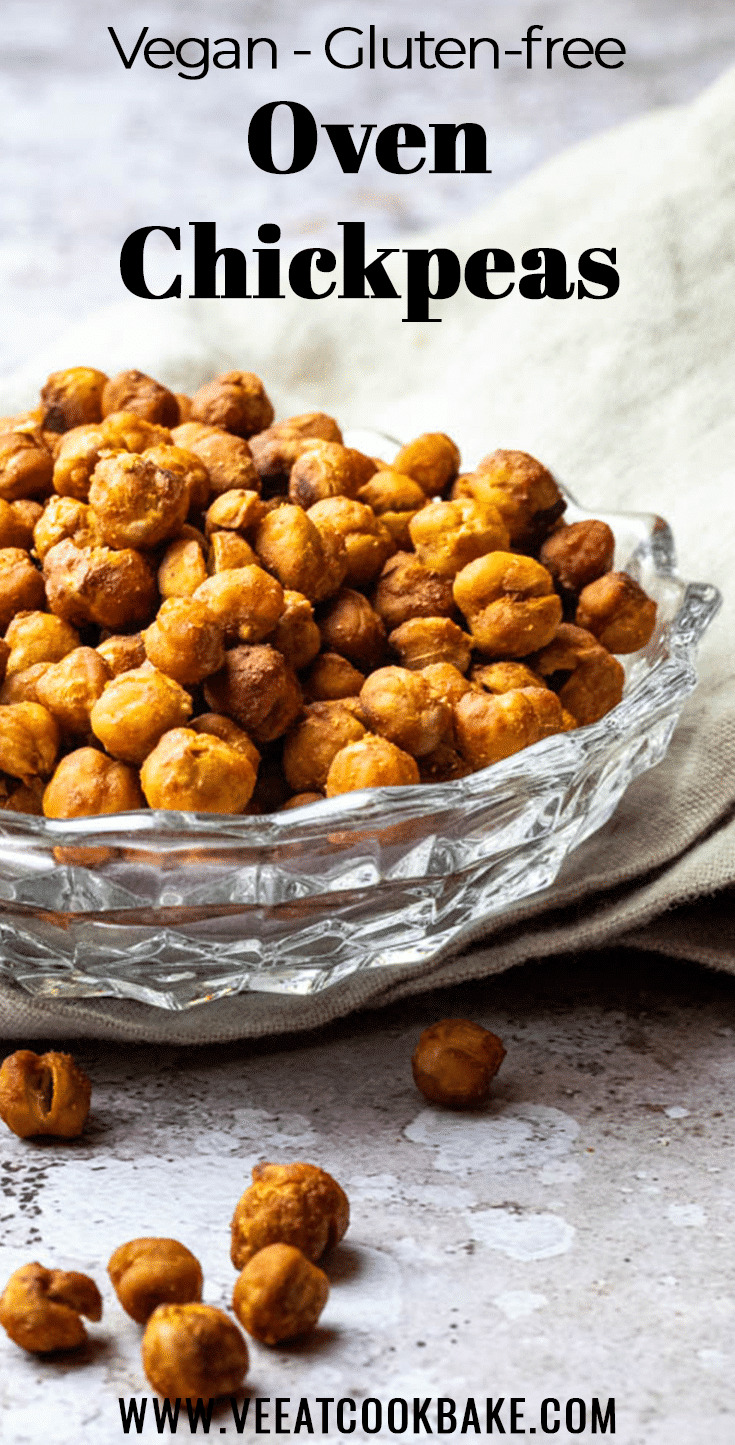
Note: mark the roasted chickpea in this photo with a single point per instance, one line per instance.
(136, 392)
(62, 518)
(489, 728)
(367, 542)
(186, 465)
(312, 425)
(72, 398)
(523, 491)
(443, 765)
(122, 653)
(235, 401)
(21, 686)
(193, 1351)
(135, 710)
(588, 679)
(228, 458)
(43, 1094)
(27, 513)
(498, 677)
(77, 456)
(98, 584)
(446, 681)
(127, 431)
(301, 557)
(41, 1309)
(38, 637)
(138, 503)
(350, 626)
(509, 603)
(258, 689)
(448, 535)
(235, 511)
(297, 1204)
(26, 467)
(327, 469)
(275, 452)
(21, 585)
(423, 641)
(14, 530)
(185, 641)
(223, 727)
(371, 762)
(29, 740)
(331, 677)
(228, 552)
(71, 687)
(578, 554)
(245, 602)
(147, 1272)
(406, 588)
(311, 747)
(296, 635)
(197, 772)
(87, 783)
(182, 568)
(391, 491)
(454, 1062)
(401, 706)
(432, 460)
(617, 611)
(279, 1294)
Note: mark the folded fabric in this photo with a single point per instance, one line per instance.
(629, 401)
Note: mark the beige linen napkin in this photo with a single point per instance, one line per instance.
(630, 401)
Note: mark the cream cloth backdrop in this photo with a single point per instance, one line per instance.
(631, 402)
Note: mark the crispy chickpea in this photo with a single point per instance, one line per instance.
(448, 535)
(279, 1294)
(138, 503)
(578, 554)
(149, 1272)
(311, 747)
(72, 398)
(617, 611)
(588, 679)
(229, 551)
(228, 458)
(258, 689)
(371, 762)
(406, 588)
(14, 532)
(246, 602)
(274, 454)
(29, 740)
(185, 641)
(41, 1309)
(235, 401)
(127, 431)
(223, 727)
(86, 783)
(197, 772)
(446, 681)
(368, 544)
(489, 728)
(71, 687)
(135, 710)
(182, 568)
(43, 1094)
(422, 641)
(523, 491)
(62, 518)
(187, 465)
(509, 603)
(78, 454)
(443, 765)
(27, 513)
(331, 677)
(123, 653)
(297, 1204)
(38, 637)
(454, 1062)
(300, 556)
(391, 491)
(237, 510)
(193, 1351)
(296, 635)
(350, 626)
(498, 677)
(21, 585)
(432, 460)
(312, 425)
(401, 706)
(328, 469)
(21, 686)
(99, 584)
(136, 392)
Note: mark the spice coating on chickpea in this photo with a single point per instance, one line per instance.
(115, 589)
(524, 492)
(331, 677)
(432, 460)
(509, 602)
(185, 641)
(367, 542)
(280, 1294)
(258, 690)
(301, 557)
(425, 641)
(43, 1094)
(406, 588)
(197, 772)
(149, 1272)
(245, 602)
(297, 1204)
(296, 635)
(401, 706)
(311, 747)
(489, 728)
(87, 783)
(182, 568)
(328, 469)
(38, 637)
(235, 401)
(135, 710)
(21, 585)
(194, 1351)
(41, 1309)
(122, 652)
(371, 762)
(350, 626)
(72, 398)
(70, 688)
(29, 740)
(617, 611)
(578, 553)
(588, 678)
(454, 1062)
(138, 503)
(448, 535)
(134, 391)
(227, 458)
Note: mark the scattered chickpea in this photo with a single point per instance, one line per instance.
(193, 1350)
(297, 1204)
(149, 1272)
(280, 1294)
(43, 1094)
(455, 1061)
(41, 1309)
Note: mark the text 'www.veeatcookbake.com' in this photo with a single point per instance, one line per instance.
(412, 1418)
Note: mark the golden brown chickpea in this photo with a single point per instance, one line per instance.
(98, 584)
(72, 398)
(29, 740)
(406, 588)
(578, 554)
(423, 641)
(122, 653)
(228, 551)
(509, 602)
(312, 425)
(223, 727)
(182, 568)
(443, 765)
(134, 391)
(311, 747)
(349, 625)
(86, 783)
(280, 1294)
(448, 535)
(258, 689)
(589, 680)
(297, 1204)
(391, 491)
(235, 511)
(41, 1309)
(371, 762)
(21, 585)
(454, 1062)
(274, 454)
(367, 542)
(523, 491)
(432, 460)
(197, 772)
(13, 529)
(138, 504)
(617, 611)
(331, 677)
(498, 677)
(135, 710)
(328, 469)
(299, 555)
(401, 706)
(26, 513)
(185, 641)
(43, 1094)
(38, 637)
(149, 1272)
(77, 456)
(244, 601)
(62, 518)
(193, 1351)
(186, 465)
(296, 635)
(228, 458)
(71, 687)
(446, 681)
(489, 728)
(26, 467)
(236, 401)
(21, 686)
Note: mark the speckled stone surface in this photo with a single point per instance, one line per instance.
(572, 1239)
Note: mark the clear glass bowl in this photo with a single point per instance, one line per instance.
(176, 909)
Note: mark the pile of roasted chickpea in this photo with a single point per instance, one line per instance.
(204, 609)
